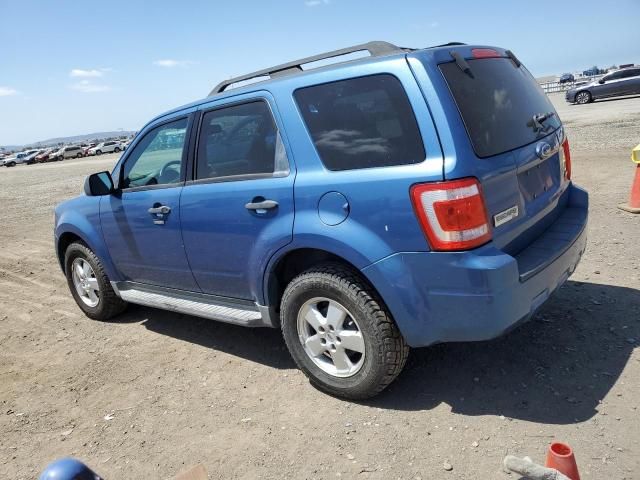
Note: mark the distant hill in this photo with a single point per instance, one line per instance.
(89, 137)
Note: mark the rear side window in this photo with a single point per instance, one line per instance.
(240, 140)
(497, 101)
(361, 123)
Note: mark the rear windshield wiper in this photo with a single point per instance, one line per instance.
(461, 62)
(538, 119)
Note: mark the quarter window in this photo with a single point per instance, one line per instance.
(240, 140)
(157, 158)
(361, 123)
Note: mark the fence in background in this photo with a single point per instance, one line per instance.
(552, 87)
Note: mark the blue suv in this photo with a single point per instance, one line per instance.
(399, 200)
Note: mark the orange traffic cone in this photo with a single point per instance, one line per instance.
(634, 199)
(560, 456)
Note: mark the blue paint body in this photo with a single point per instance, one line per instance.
(212, 244)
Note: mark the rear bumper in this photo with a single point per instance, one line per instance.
(480, 294)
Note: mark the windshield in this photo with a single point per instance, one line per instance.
(499, 104)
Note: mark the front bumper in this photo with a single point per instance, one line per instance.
(570, 96)
(479, 294)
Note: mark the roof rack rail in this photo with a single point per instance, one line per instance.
(450, 44)
(375, 49)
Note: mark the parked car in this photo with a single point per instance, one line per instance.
(44, 156)
(105, 147)
(12, 160)
(30, 158)
(85, 149)
(566, 78)
(625, 81)
(70, 151)
(363, 207)
(21, 158)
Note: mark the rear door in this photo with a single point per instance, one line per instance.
(238, 208)
(631, 80)
(515, 137)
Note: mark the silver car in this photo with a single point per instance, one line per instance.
(72, 151)
(625, 81)
(18, 158)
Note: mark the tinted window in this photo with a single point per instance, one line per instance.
(496, 103)
(240, 140)
(157, 158)
(630, 73)
(361, 123)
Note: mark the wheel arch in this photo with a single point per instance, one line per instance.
(67, 233)
(288, 264)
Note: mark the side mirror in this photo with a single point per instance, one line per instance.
(98, 184)
(601, 81)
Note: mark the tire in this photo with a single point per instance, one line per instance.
(116, 150)
(98, 152)
(583, 97)
(11, 164)
(108, 303)
(384, 349)
(79, 155)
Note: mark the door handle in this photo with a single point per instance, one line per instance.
(162, 210)
(159, 212)
(261, 207)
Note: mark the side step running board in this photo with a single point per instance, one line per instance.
(205, 306)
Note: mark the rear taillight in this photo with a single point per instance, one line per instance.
(452, 214)
(566, 160)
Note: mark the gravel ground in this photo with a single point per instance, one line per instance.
(151, 393)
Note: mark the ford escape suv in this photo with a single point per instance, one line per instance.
(399, 200)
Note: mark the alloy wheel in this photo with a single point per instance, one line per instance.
(85, 282)
(583, 97)
(331, 337)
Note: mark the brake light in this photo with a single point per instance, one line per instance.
(566, 159)
(452, 214)
(484, 53)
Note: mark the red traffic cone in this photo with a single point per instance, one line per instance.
(634, 199)
(560, 456)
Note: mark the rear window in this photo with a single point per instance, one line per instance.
(361, 123)
(496, 103)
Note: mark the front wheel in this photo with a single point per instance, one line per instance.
(89, 283)
(116, 150)
(583, 98)
(98, 152)
(340, 334)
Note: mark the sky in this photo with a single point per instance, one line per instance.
(72, 67)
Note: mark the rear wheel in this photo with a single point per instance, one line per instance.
(79, 155)
(89, 283)
(117, 149)
(340, 334)
(583, 97)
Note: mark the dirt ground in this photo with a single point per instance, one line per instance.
(152, 393)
